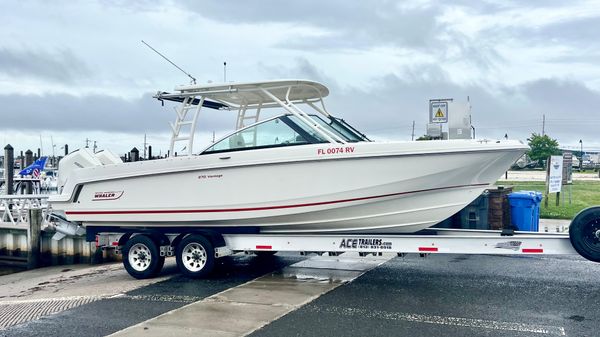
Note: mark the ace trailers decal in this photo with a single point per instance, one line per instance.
(366, 243)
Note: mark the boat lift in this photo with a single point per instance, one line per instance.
(583, 239)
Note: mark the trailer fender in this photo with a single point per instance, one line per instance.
(215, 238)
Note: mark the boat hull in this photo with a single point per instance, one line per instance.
(370, 189)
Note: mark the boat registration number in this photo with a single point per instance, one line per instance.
(335, 150)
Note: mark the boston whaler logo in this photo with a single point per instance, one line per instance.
(512, 245)
(113, 195)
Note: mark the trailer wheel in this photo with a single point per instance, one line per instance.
(584, 233)
(195, 256)
(141, 257)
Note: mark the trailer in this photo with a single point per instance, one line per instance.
(196, 249)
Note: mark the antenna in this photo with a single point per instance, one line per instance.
(176, 66)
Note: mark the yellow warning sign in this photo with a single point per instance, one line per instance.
(438, 112)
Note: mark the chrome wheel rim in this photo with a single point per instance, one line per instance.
(194, 257)
(139, 257)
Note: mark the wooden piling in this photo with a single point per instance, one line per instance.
(9, 169)
(134, 154)
(33, 237)
(29, 161)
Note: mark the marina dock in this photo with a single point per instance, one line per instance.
(24, 244)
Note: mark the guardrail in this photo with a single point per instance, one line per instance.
(14, 209)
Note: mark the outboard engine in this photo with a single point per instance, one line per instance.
(63, 227)
(107, 157)
(77, 159)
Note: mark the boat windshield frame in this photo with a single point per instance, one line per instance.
(307, 136)
(249, 99)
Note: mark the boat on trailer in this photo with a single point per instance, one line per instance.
(300, 171)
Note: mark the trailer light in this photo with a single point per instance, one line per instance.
(532, 250)
(428, 249)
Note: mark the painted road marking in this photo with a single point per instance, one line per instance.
(15, 312)
(442, 320)
(259, 302)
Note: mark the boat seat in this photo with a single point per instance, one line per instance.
(237, 141)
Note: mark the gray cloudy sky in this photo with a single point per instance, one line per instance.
(75, 70)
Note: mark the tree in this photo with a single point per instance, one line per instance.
(541, 147)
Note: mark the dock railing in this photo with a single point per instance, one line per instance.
(14, 209)
(26, 242)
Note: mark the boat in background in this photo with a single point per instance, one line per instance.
(37, 176)
(297, 172)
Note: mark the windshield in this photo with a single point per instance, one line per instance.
(286, 130)
(275, 132)
(336, 126)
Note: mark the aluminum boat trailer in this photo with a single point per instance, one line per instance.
(196, 249)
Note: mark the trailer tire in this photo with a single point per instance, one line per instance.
(584, 233)
(195, 256)
(141, 257)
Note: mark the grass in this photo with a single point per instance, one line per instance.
(584, 194)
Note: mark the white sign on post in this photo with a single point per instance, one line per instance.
(555, 173)
(438, 112)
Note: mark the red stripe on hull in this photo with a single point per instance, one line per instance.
(248, 209)
(532, 250)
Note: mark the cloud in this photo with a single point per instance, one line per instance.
(351, 24)
(386, 106)
(302, 68)
(67, 113)
(60, 65)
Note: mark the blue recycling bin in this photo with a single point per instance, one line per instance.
(525, 210)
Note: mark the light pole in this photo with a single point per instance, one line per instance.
(581, 160)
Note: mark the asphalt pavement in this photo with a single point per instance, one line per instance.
(440, 295)
(445, 295)
(110, 314)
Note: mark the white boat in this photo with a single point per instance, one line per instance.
(292, 173)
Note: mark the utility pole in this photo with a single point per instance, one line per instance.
(87, 143)
(95, 147)
(581, 160)
(224, 72)
(413, 132)
(543, 124)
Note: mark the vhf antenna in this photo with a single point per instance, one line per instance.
(176, 66)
